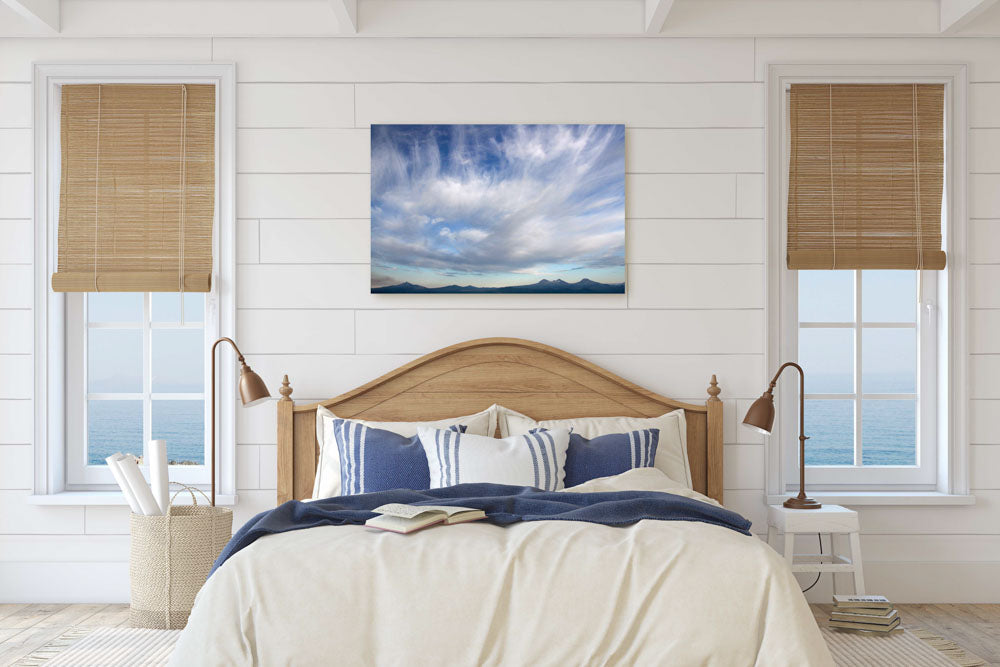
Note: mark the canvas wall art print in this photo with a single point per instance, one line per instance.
(498, 209)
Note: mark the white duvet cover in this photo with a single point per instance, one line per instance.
(538, 593)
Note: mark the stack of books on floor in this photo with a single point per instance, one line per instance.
(864, 613)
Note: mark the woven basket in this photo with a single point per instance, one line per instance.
(170, 559)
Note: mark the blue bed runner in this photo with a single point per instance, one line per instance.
(502, 503)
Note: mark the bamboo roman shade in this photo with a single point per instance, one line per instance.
(866, 176)
(137, 190)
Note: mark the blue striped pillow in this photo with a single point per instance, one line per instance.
(610, 454)
(372, 459)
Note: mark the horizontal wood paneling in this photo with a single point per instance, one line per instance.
(984, 331)
(984, 241)
(984, 427)
(16, 425)
(294, 105)
(16, 288)
(506, 60)
(303, 150)
(315, 241)
(301, 331)
(983, 373)
(638, 105)
(656, 241)
(17, 516)
(16, 241)
(17, 328)
(302, 195)
(16, 376)
(15, 150)
(15, 105)
(695, 150)
(16, 196)
(984, 466)
(17, 55)
(696, 286)
(680, 196)
(984, 286)
(594, 332)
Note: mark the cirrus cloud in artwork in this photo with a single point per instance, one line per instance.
(498, 208)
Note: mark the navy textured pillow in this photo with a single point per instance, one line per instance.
(372, 459)
(610, 454)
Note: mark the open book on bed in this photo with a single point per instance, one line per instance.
(402, 518)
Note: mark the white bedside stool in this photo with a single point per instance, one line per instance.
(831, 519)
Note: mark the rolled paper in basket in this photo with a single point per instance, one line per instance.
(158, 474)
(122, 483)
(136, 482)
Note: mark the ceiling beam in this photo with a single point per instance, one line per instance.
(656, 15)
(347, 14)
(44, 13)
(958, 14)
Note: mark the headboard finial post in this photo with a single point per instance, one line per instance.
(285, 390)
(713, 389)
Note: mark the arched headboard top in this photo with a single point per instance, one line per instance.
(541, 381)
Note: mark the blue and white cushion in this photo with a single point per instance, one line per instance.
(533, 459)
(610, 454)
(372, 459)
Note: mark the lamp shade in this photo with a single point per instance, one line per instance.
(760, 416)
(252, 388)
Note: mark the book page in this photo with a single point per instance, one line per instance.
(449, 510)
(406, 511)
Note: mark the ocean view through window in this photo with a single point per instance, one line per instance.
(858, 341)
(145, 374)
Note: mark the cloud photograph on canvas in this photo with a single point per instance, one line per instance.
(498, 209)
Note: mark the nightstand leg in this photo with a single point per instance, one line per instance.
(833, 553)
(772, 532)
(859, 575)
(789, 547)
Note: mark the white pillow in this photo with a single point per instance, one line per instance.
(536, 459)
(327, 482)
(639, 479)
(671, 452)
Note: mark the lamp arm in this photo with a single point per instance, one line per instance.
(802, 395)
(239, 355)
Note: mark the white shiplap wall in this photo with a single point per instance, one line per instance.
(694, 111)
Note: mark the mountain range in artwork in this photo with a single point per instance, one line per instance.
(498, 209)
(558, 286)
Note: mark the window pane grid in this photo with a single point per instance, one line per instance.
(899, 436)
(145, 327)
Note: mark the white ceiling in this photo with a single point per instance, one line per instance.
(457, 18)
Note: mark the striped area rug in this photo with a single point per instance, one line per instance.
(101, 647)
(914, 648)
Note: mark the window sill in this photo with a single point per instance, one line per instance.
(851, 498)
(112, 498)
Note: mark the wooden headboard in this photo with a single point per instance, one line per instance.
(540, 381)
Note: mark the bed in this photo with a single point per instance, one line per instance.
(544, 592)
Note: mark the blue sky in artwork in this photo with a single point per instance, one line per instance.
(497, 205)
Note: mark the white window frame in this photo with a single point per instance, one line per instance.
(51, 482)
(883, 485)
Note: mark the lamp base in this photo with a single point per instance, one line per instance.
(802, 504)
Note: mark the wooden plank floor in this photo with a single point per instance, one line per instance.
(26, 627)
(974, 627)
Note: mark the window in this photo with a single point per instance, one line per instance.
(883, 348)
(862, 339)
(115, 369)
(136, 371)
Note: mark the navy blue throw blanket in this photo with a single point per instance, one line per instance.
(502, 503)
